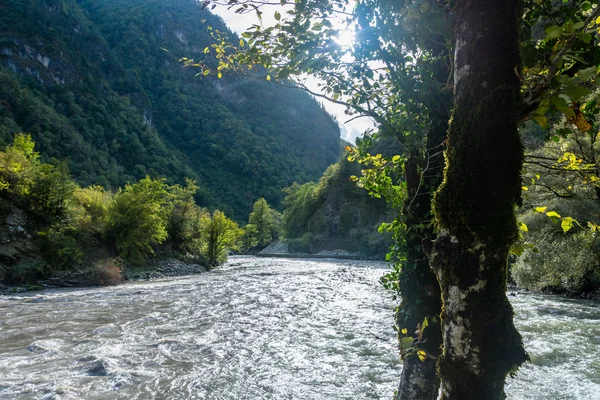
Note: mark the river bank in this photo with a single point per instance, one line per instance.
(280, 249)
(172, 267)
(156, 269)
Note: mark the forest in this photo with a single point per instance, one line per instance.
(482, 170)
(103, 87)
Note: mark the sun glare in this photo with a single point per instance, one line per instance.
(345, 38)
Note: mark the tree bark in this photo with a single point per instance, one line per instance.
(475, 205)
(419, 288)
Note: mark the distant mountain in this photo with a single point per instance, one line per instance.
(99, 82)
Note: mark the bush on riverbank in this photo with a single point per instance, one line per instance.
(53, 226)
(107, 272)
(562, 261)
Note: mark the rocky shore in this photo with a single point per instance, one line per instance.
(156, 269)
(281, 249)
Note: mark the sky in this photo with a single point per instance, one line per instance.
(240, 22)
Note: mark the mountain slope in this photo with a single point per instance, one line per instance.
(100, 82)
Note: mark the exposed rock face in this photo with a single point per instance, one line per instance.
(16, 242)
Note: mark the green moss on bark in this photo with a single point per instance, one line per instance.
(483, 167)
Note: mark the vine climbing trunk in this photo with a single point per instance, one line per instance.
(419, 288)
(475, 205)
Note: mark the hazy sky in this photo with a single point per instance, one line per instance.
(240, 22)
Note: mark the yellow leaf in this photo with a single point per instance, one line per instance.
(524, 188)
(206, 50)
(582, 123)
(540, 209)
(422, 355)
(404, 331)
(219, 75)
(553, 214)
(523, 227)
(268, 77)
(242, 42)
(567, 224)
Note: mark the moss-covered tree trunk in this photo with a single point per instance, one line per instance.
(475, 205)
(419, 288)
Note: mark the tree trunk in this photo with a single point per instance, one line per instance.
(419, 288)
(475, 205)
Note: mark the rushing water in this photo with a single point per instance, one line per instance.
(257, 329)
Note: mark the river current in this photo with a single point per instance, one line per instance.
(258, 328)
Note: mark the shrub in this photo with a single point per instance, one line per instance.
(302, 244)
(137, 219)
(25, 272)
(107, 272)
(219, 235)
(561, 261)
(59, 246)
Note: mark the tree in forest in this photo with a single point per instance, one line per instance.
(219, 235)
(52, 190)
(262, 218)
(249, 237)
(137, 219)
(182, 214)
(18, 166)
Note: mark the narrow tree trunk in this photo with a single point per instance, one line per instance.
(420, 294)
(475, 205)
(419, 287)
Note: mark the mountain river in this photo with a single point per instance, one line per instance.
(258, 328)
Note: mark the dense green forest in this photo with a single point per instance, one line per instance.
(53, 226)
(101, 83)
(334, 213)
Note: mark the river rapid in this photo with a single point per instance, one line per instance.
(258, 328)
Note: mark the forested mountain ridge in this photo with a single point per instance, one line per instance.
(100, 82)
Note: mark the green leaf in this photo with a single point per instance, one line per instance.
(586, 38)
(395, 159)
(406, 343)
(517, 249)
(577, 92)
(246, 35)
(553, 32)
(277, 15)
(562, 105)
(587, 73)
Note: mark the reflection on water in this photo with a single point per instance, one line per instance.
(257, 329)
